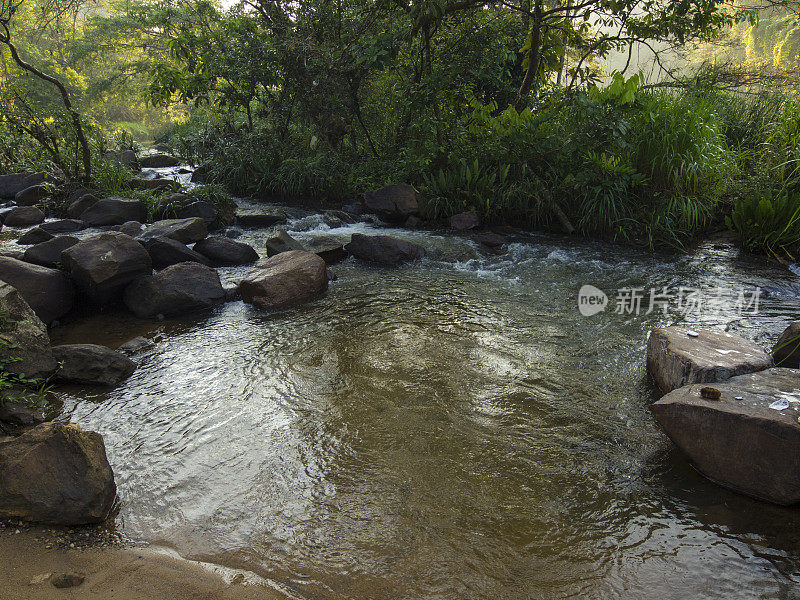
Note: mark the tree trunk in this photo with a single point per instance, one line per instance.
(533, 55)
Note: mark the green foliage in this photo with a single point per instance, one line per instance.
(768, 223)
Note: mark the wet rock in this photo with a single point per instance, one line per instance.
(178, 289)
(394, 202)
(383, 249)
(282, 242)
(67, 580)
(35, 235)
(92, 364)
(786, 352)
(675, 358)
(168, 205)
(489, 239)
(233, 233)
(223, 251)
(200, 208)
(62, 226)
(200, 174)
(262, 219)
(330, 250)
(81, 205)
(737, 440)
(56, 473)
(47, 291)
(103, 265)
(32, 195)
(23, 216)
(165, 252)
(48, 254)
(114, 211)
(185, 231)
(18, 254)
(413, 222)
(11, 185)
(131, 228)
(353, 209)
(24, 337)
(161, 147)
(158, 161)
(135, 345)
(139, 183)
(286, 279)
(464, 221)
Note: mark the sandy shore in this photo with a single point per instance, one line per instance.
(115, 573)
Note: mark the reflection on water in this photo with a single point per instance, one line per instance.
(449, 429)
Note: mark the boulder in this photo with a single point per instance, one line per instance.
(48, 254)
(139, 183)
(489, 239)
(56, 474)
(330, 250)
(168, 205)
(223, 251)
(32, 195)
(286, 279)
(178, 289)
(786, 352)
(383, 249)
(11, 185)
(23, 407)
(200, 174)
(186, 231)
(282, 242)
(204, 210)
(25, 347)
(165, 252)
(394, 202)
(261, 219)
(35, 235)
(676, 359)
(81, 204)
(23, 216)
(464, 221)
(131, 228)
(737, 440)
(125, 157)
(62, 226)
(47, 291)
(103, 265)
(161, 147)
(92, 364)
(114, 211)
(158, 161)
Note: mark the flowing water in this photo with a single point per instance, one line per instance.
(453, 428)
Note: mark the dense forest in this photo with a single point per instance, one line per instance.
(508, 109)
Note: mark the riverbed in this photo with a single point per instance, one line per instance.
(453, 428)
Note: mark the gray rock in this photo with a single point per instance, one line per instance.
(181, 288)
(394, 202)
(62, 226)
(139, 183)
(165, 252)
(48, 254)
(267, 218)
(186, 231)
(131, 228)
(23, 216)
(114, 211)
(383, 249)
(81, 205)
(676, 359)
(464, 221)
(125, 157)
(223, 251)
(330, 250)
(103, 265)
(56, 474)
(737, 440)
(36, 235)
(489, 239)
(11, 185)
(200, 208)
(286, 279)
(92, 364)
(282, 242)
(135, 345)
(32, 195)
(26, 345)
(786, 352)
(47, 291)
(158, 161)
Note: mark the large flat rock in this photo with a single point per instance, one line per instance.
(737, 440)
(675, 358)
